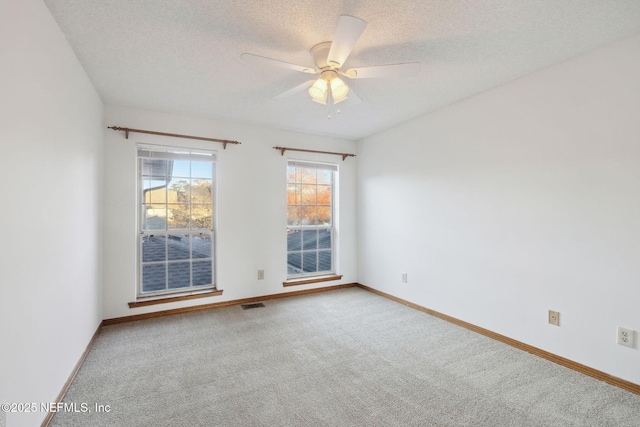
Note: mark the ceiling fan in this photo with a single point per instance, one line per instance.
(329, 57)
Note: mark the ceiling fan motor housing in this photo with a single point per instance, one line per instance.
(329, 75)
(320, 52)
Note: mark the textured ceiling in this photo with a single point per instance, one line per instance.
(183, 56)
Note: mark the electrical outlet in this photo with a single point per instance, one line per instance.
(554, 317)
(260, 274)
(625, 337)
(404, 277)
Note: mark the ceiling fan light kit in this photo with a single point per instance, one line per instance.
(318, 90)
(339, 89)
(328, 84)
(329, 57)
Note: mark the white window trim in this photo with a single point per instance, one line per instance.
(173, 153)
(334, 220)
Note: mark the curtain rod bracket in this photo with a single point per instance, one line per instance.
(174, 135)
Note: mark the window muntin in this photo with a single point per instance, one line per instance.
(176, 240)
(310, 222)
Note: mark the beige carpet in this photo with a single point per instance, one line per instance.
(341, 358)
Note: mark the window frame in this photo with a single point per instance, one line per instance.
(174, 153)
(301, 275)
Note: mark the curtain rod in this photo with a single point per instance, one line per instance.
(175, 135)
(283, 149)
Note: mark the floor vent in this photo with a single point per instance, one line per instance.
(248, 306)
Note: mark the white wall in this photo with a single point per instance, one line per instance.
(519, 200)
(251, 216)
(50, 231)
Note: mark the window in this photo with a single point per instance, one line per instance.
(176, 240)
(310, 219)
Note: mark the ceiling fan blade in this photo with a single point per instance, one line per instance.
(347, 34)
(393, 70)
(274, 62)
(293, 91)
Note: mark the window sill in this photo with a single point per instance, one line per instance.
(308, 280)
(163, 299)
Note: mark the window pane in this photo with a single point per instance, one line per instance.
(310, 262)
(294, 240)
(294, 214)
(308, 194)
(308, 175)
(152, 182)
(178, 216)
(201, 216)
(293, 194)
(309, 239)
(180, 169)
(154, 217)
(309, 215)
(178, 191)
(293, 174)
(324, 195)
(324, 239)
(179, 275)
(324, 261)
(201, 170)
(324, 215)
(153, 248)
(202, 273)
(178, 246)
(154, 189)
(201, 191)
(202, 246)
(153, 277)
(154, 167)
(294, 263)
(324, 176)
(156, 195)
